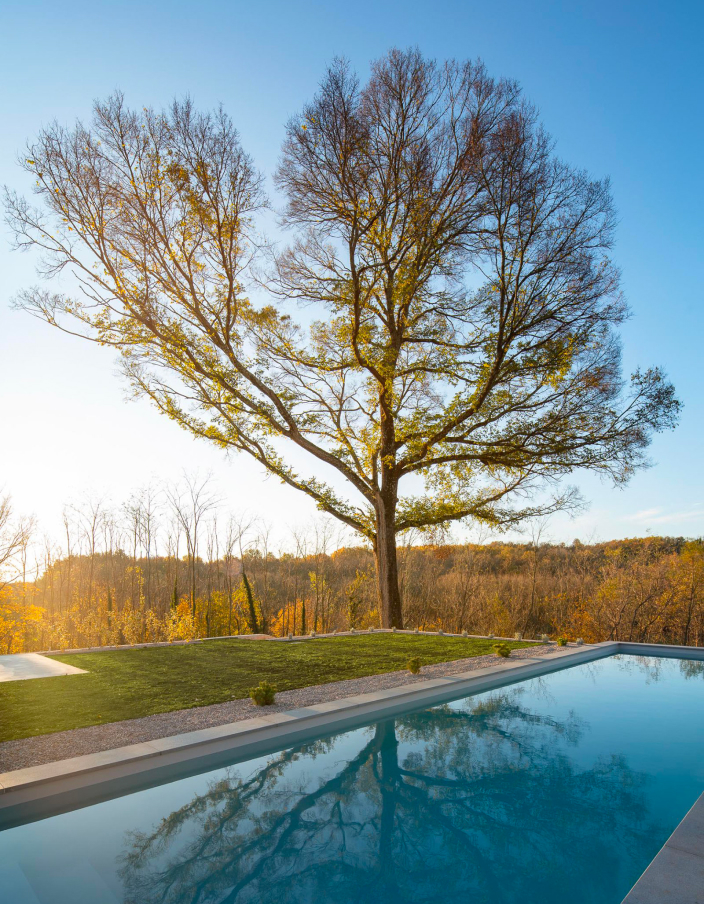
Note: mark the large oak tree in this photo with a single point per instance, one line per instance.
(459, 305)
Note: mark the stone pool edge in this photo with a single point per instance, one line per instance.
(676, 874)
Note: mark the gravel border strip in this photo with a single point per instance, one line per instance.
(62, 745)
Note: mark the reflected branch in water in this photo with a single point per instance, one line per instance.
(450, 804)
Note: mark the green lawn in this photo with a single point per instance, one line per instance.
(126, 684)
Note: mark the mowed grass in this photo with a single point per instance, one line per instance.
(127, 684)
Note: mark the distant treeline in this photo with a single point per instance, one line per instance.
(648, 589)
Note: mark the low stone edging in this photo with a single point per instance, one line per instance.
(296, 637)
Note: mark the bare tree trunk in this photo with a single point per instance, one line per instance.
(68, 569)
(253, 626)
(387, 567)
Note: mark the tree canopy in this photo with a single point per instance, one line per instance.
(464, 303)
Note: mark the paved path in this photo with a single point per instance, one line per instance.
(19, 666)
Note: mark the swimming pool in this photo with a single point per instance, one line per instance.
(559, 788)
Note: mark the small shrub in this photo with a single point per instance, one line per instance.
(502, 649)
(413, 665)
(562, 641)
(264, 694)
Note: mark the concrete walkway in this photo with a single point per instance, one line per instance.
(20, 666)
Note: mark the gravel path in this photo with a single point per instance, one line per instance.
(64, 744)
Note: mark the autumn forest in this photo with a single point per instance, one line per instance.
(167, 565)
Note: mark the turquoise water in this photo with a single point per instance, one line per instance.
(561, 788)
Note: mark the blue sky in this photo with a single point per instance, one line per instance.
(619, 86)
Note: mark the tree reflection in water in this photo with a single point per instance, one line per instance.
(691, 668)
(655, 668)
(480, 804)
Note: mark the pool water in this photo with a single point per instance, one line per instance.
(560, 788)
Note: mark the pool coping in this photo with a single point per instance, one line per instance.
(40, 791)
(676, 874)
